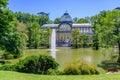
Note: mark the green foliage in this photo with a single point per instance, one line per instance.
(3, 4)
(75, 19)
(36, 64)
(28, 65)
(13, 44)
(106, 64)
(106, 27)
(82, 20)
(7, 56)
(95, 43)
(33, 34)
(85, 39)
(57, 21)
(45, 37)
(79, 40)
(42, 19)
(9, 40)
(75, 36)
(79, 67)
(55, 72)
(4, 62)
(7, 67)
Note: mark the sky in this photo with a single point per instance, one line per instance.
(56, 8)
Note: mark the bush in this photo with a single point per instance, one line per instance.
(7, 67)
(55, 72)
(34, 64)
(4, 62)
(7, 56)
(106, 64)
(27, 65)
(79, 67)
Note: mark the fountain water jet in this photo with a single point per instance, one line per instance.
(53, 43)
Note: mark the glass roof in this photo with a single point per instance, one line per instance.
(65, 18)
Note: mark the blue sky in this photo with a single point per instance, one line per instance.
(56, 8)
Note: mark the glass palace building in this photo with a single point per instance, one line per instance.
(65, 27)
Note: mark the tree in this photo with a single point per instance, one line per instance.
(75, 37)
(14, 44)
(57, 21)
(75, 19)
(10, 40)
(6, 19)
(85, 39)
(82, 20)
(33, 34)
(95, 28)
(45, 37)
(108, 28)
(42, 19)
(3, 4)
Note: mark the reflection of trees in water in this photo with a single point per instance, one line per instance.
(109, 53)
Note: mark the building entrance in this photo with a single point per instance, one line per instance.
(63, 39)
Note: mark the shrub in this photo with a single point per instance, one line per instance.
(46, 62)
(79, 67)
(55, 72)
(106, 64)
(28, 65)
(34, 64)
(7, 56)
(71, 69)
(7, 67)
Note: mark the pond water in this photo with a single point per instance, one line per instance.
(66, 54)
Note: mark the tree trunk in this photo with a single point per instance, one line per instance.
(119, 52)
(119, 48)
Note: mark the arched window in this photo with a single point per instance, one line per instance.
(64, 27)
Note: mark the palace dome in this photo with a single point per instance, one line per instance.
(65, 18)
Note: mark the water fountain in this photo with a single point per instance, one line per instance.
(53, 43)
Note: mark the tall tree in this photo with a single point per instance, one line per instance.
(108, 28)
(6, 18)
(85, 39)
(42, 19)
(33, 35)
(3, 4)
(75, 37)
(10, 41)
(45, 37)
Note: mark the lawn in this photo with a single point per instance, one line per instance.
(9, 75)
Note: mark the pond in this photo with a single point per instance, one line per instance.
(65, 54)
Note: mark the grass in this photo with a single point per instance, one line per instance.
(9, 75)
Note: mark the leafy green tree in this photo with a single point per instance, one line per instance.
(11, 41)
(75, 37)
(3, 4)
(57, 21)
(85, 39)
(14, 44)
(33, 35)
(75, 19)
(108, 28)
(95, 42)
(95, 28)
(45, 37)
(36, 34)
(82, 20)
(43, 20)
